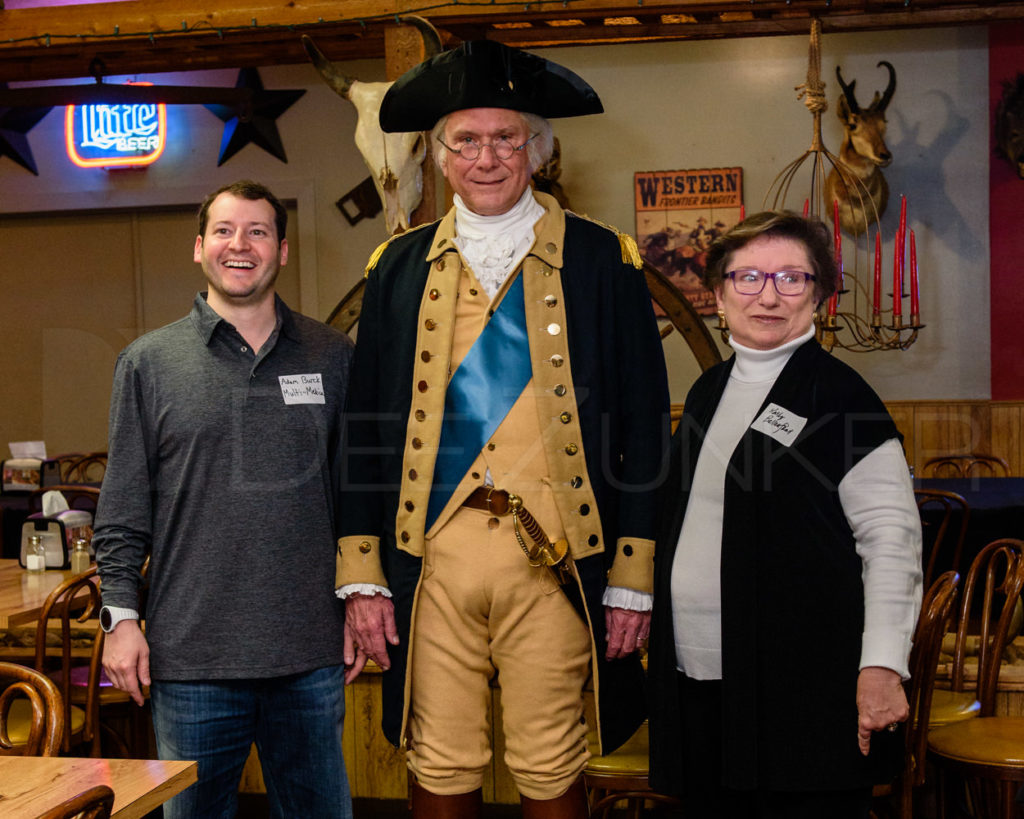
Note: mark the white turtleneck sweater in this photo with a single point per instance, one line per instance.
(877, 498)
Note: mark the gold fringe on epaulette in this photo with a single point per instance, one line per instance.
(627, 244)
(375, 257)
(630, 252)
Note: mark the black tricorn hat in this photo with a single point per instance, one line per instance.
(484, 74)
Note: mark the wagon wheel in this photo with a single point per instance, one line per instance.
(678, 309)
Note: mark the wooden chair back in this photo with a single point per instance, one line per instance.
(45, 733)
(936, 612)
(71, 604)
(88, 469)
(950, 506)
(95, 803)
(972, 465)
(995, 580)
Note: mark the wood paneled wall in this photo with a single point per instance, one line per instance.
(933, 428)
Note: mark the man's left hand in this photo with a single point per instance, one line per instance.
(625, 630)
(881, 703)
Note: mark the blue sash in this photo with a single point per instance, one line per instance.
(480, 394)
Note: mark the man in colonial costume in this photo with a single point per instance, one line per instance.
(505, 429)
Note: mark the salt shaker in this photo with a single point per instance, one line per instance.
(35, 559)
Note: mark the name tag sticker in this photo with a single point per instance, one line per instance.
(779, 423)
(307, 388)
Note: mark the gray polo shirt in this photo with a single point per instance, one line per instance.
(224, 465)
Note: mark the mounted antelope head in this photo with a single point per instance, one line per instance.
(395, 160)
(857, 183)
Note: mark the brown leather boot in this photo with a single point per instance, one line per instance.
(570, 805)
(427, 805)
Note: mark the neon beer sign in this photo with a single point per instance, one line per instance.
(112, 136)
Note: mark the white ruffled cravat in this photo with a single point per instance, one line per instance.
(494, 245)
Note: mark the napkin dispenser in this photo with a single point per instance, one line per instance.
(58, 532)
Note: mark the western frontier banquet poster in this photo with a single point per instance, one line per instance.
(678, 216)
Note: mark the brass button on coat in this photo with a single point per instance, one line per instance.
(493, 523)
(420, 415)
(627, 550)
(473, 291)
(551, 247)
(584, 509)
(565, 417)
(422, 386)
(490, 447)
(550, 300)
(406, 537)
(425, 356)
(417, 443)
(365, 547)
(439, 264)
(554, 329)
(430, 324)
(576, 482)
(556, 361)
(593, 540)
(413, 474)
(434, 294)
(560, 390)
(571, 449)
(410, 506)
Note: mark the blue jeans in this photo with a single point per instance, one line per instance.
(296, 723)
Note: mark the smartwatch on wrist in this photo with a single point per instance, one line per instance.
(110, 616)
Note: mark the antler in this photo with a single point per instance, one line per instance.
(882, 104)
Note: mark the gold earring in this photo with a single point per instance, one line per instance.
(722, 323)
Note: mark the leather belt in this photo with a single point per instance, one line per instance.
(489, 499)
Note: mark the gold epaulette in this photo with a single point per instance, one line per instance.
(375, 256)
(627, 244)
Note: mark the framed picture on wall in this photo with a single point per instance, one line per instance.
(678, 216)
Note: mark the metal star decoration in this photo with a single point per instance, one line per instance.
(259, 127)
(15, 123)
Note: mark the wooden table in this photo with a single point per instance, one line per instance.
(31, 785)
(22, 594)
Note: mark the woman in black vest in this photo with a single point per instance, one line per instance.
(788, 571)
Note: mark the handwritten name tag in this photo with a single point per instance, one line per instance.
(307, 388)
(779, 423)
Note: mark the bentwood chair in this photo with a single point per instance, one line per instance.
(31, 713)
(621, 776)
(944, 519)
(70, 605)
(988, 752)
(95, 803)
(897, 799)
(972, 465)
(88, 469)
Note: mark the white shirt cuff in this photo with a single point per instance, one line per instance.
(369, 589)
(618, 597)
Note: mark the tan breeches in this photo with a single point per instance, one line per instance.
(483, 609)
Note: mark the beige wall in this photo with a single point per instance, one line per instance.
(669, 106)
(77, 288)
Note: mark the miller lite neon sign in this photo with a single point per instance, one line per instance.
(115, 136)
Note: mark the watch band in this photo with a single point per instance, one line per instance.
(110, 616)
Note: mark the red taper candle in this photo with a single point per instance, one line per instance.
(876, 295)
(915, 307)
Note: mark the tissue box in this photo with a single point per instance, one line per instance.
(59, 533)
(22, 474)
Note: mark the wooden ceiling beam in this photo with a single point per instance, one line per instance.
(152, 36)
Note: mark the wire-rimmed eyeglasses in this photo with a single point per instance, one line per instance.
(749, 281)
(470, 150)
